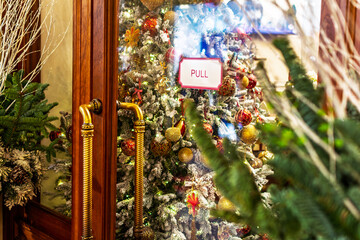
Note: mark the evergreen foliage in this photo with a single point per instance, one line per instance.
(306, 204)
(24, 115)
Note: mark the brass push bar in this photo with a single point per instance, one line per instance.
(87, 132)
(140, 233)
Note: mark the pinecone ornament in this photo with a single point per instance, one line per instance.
(228, 87)
(19, 176)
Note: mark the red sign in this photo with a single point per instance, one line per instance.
(200, 73)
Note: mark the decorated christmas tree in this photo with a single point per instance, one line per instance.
(179, 191)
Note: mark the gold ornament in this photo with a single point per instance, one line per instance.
(245, 82)
(265, 156)
(122, 92)
(225, 205)
(185, 155)
(152, 4)
(259, 146)
(173, 134)
(132, 37)
(163, 86)
(170, 15)
(249, 134)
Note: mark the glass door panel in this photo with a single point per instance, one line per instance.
(200, 50)
(57, 72)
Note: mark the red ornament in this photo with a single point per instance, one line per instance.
(161, 148)
(150, 24)
(128, 147)
(170, 55)
(242, 232)
(244, 117)
(54, 135)
(181, 124)
(252, 81)
(219, 145)
(228, 86)
(208, 128)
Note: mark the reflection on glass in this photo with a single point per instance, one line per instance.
(57, 72)
(155, 37)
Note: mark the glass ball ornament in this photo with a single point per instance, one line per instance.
(173, 134)
(128, 147)
(252, 81)
(170, 16)
(185, 155)
(244, 117)
(249, 134)
(149, 25)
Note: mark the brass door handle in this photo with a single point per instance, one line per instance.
(87, 132)
(140, 232)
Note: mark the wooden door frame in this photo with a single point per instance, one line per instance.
(95, 76)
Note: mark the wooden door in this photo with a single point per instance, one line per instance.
(94, 76)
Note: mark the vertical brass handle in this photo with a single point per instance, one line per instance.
(87, 132)
(139, 126)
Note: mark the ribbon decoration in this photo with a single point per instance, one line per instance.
(139, 90)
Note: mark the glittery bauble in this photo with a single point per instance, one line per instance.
(160, 148)
(228, 86)
(147, 234)
(181, 125)
(152, 4)
(244, 82)
(244, 117)
(249, 134)
(170, 16)
(208, 128)
(225, 205)
(185, 155)
(256, 163)
(252, 81)
(173, 134)
(128, 147)
(265, 156)
(18, 175)
(149, 25)
(242, 232)
(170, 55)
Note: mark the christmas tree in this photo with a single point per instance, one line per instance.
(179, 191)
(310, 197)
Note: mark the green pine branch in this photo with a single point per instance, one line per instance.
(24, 114)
